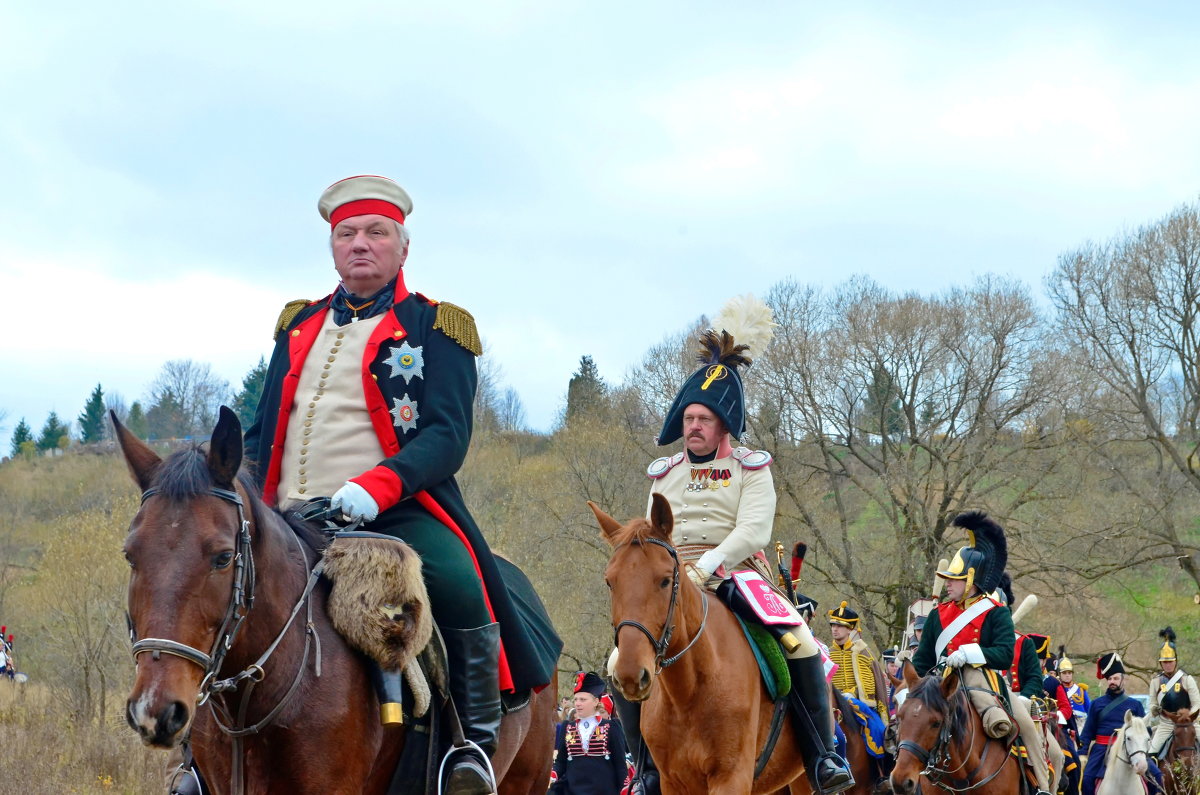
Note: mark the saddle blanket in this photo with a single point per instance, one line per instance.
(870, 724)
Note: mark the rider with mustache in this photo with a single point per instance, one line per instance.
(722, 498)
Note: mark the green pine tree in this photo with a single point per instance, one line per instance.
(136, 421)
(586, 392)
(52, 433)
(91, 421)
(246, 402)
(23, 433)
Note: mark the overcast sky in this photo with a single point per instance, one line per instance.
(587, 177)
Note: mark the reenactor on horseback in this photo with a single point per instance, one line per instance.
(973, 631)
(1171, 689)
(723, 501)
(859, 674)
(367, 403)
(1067, 733)
(1105, 716)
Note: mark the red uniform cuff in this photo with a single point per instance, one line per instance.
(384, 486)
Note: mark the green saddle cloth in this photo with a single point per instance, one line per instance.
(771, 662)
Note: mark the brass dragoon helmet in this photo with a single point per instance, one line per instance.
(981, 563)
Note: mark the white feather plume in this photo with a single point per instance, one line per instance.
(1023, 609)
(750, 321)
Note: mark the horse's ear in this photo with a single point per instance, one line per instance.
(608, 525)
(911, 677)
(1195, 714)
(661, 517)
(950, 683)
(225, 448)
(141, 460)
(1129, 718)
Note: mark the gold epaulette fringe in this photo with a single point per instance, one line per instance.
(290, 310)
(457, 324)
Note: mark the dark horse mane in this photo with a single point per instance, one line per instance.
(929, 693)
(184, 474)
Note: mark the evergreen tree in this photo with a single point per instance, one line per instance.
(586, 391)
(91, 421)
(23, 433)
(136, 420)
(165, 419)
(246, 402)
(52, 433)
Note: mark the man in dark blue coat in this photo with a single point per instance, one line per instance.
(1105, 716)
(368, 401)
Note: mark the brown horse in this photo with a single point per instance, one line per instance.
(706, 713)
(861, 763)
(1181, 765)
(214, 568)
(941, 742)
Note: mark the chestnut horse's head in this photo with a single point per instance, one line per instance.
(182, 550)
(926, 724)
(643, 577)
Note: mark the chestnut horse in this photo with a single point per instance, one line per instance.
(941, 742)
(1181, 764)
(214, 568)
(705, 710)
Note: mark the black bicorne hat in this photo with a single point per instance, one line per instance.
(717, 385)
(1109, 664)
(589, 683)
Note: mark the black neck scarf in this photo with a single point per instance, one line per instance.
(344, 301)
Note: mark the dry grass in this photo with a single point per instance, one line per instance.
(42, 752)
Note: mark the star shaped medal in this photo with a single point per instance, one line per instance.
(406, 361)
(404, 413)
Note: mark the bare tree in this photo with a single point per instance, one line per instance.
(895, 412)
(1130, 307)
(194, 394)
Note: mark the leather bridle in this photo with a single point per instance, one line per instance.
(241, 599)
(934, 758)
(661, 643)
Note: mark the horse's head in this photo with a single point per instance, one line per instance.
(1182, 717)
(643, 578)
(926, 723)
(1132, 745)
(183, 552)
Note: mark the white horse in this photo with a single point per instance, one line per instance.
(1126, 759)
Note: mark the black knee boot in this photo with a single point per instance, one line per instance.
(810, 700)
(630, 716)
(474, 656)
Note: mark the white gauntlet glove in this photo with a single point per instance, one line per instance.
(957, 659)
(355, 503)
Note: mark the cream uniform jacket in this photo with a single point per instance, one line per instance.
(1158, 683)
(727, 503)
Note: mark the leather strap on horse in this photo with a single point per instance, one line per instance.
(772, 736)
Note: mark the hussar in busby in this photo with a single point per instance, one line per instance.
(973, 631)
(1105, 716)
(1172, 689)
(722, 498)
(590, 750)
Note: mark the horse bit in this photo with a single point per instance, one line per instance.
(241, 600)
(660, 645)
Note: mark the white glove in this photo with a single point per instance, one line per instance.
(957, 659)
(702, 570)
(355, 503)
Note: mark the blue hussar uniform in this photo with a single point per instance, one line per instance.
(1105, 716)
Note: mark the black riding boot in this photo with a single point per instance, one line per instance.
(475, 687)
(630, 716)
(828, 772)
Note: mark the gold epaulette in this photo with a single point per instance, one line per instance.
(457, 324)
(290, 310)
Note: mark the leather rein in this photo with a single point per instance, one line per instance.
(661, 643)
(241, 600)
(940, 754)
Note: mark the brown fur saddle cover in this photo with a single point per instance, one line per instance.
(377, 597)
